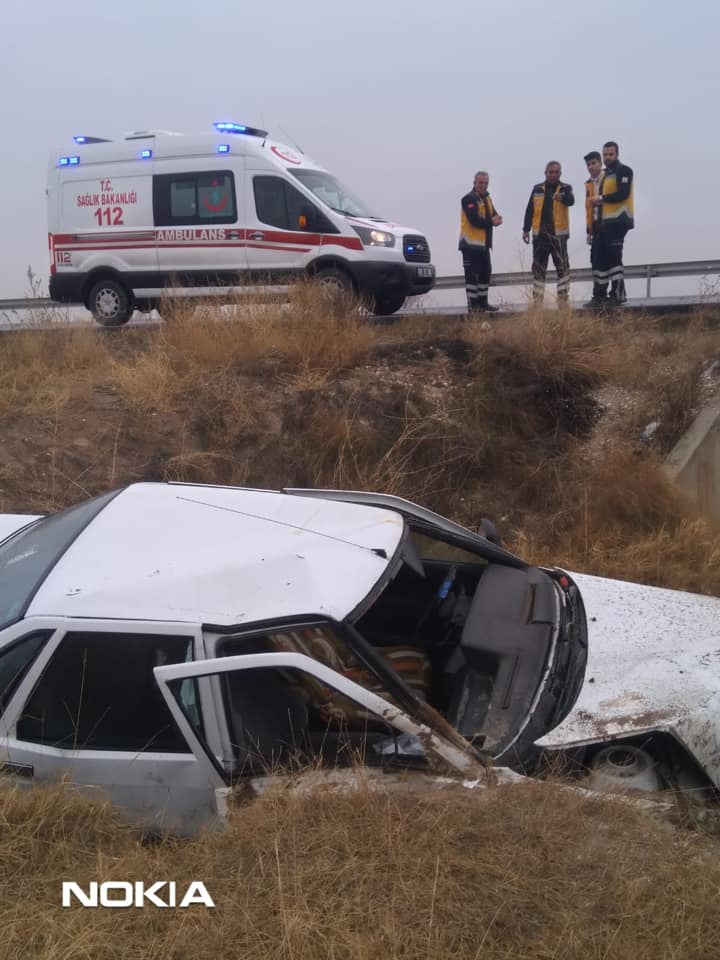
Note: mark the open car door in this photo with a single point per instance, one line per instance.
(267, 699)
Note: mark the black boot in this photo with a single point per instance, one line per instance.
(485, 307)
(617, 292)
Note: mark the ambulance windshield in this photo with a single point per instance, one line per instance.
(333, 194)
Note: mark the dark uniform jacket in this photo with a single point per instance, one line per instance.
(562, 199)
(617, 193)
(476, 224)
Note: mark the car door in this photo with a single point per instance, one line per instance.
(301, 674)
(278, 246)
(89, 710)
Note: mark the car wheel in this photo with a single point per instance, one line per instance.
(384, 306)
(110, 303)
(334, 281)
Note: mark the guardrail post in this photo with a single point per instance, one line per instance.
(648, 275)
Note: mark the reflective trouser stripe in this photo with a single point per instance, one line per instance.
(476, 265)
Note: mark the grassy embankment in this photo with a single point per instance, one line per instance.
(534, 423)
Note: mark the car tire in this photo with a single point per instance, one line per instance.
(334, 280)
(384, 306)
(110, 303)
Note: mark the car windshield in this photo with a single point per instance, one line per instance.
(28, 557)
(333, 194)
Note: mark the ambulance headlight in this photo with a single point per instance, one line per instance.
(374, 238)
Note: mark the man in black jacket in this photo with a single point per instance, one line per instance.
(616, 216)
(547, 217)
(478, 216)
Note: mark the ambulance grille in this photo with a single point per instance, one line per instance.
(416, 249)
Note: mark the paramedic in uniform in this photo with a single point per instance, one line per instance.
(614, 204)
(548, 217)
(478, 216)
(593, 162)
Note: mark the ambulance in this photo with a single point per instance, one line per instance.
(159, 214)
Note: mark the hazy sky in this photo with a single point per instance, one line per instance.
(403, 99)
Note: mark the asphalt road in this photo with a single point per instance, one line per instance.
(48, 318)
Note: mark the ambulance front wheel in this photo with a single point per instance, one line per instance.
(334, 283)
(110, 303)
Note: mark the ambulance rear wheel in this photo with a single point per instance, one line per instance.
(384, 306)
(110, 303)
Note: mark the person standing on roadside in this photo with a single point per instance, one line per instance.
(593, 162)
(548, 217)
(478, 216)
(615, 217)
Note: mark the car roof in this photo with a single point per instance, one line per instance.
(220, 555)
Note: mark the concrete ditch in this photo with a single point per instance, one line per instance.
(694, 461)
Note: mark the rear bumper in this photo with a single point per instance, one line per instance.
(67, 288)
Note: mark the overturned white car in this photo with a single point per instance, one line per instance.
(168, 642)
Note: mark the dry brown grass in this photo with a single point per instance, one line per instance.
(511, 872)
(40, 370)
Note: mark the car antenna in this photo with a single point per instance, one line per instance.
(378, 551)
(291, 139)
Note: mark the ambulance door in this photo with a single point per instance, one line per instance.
(199, 214)
(278, 246)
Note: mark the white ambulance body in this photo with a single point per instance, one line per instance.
(158, 214)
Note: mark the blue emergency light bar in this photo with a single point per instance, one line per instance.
(226, 126)
(83, 139)
(229, 126)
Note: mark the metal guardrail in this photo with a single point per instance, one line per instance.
(637, 271)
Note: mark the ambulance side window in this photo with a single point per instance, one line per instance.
(187, 198)
(279, 204)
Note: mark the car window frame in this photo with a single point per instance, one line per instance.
(322, 225)
(43, 636)
(22, 694)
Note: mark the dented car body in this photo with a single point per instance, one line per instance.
(170, 644)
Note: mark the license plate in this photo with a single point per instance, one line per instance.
(426, 271)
